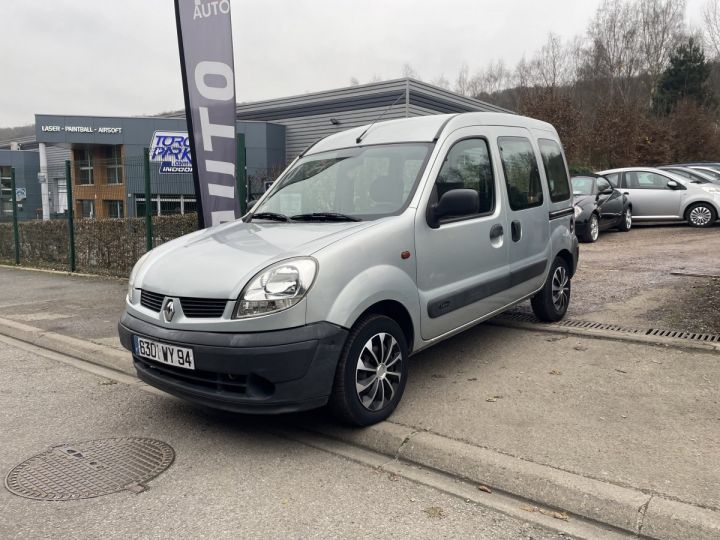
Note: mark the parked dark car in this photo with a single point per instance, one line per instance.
(694, 174)
(599, 206)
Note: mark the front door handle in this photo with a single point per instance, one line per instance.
(496, 231)
(516, 230)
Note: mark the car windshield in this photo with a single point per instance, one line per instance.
(353, 183)
(582, 185)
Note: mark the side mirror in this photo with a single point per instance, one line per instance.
(672, 184)
(457, 202)
(607, 191)
(250, 204)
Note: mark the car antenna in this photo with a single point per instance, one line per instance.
(360, 138)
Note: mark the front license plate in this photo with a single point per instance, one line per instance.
(162, 352)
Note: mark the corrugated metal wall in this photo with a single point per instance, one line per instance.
(56, 156)
(307, 118)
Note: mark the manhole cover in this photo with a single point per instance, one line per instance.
(90, 469)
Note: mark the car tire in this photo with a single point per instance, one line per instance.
(374, 341)
(625, 220)
(701, 215)
(592, 231)
(551, 303)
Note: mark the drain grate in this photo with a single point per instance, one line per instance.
(522, 316)
(90, 469)
(712, 338)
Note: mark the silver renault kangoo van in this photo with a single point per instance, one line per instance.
(374, 244)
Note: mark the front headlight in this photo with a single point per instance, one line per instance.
(577, 210)
(133, 275)
(276, 288)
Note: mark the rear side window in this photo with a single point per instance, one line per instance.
(467, 166)
(555, 170)
(521, 172)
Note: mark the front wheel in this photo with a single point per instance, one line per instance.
(592, 232)
(372, 371)
(625, 221)
(701, 215)
(551, 303)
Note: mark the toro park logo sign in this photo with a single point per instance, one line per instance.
(172, 150)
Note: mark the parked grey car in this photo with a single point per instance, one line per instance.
(376, 243)
(659, 195)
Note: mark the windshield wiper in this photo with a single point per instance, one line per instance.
(323, 216)
(273, 216)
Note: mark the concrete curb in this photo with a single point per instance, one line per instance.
(95, 353)
(627, 509)
(639, 339)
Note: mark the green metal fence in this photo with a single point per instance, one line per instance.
(103, 215)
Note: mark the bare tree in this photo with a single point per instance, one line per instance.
(711, 30)
(462, 83)
(442, 82)
(494, 78)
(615, 34)
(409, 71)
(662, 24)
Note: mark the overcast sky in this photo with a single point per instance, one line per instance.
(109, 57)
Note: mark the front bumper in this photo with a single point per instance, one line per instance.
(263, 372)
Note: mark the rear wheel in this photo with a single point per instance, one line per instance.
(626, 220)
(592, 231)
(372, 371)
(551, 303)
(701, 215)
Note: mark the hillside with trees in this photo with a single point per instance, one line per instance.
(638, 87)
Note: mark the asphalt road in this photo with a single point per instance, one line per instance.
(230, 479)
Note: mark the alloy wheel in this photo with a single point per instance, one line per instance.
(560, 289)
(700, 216)
(628, 218)
(378, 372)
(594, 228)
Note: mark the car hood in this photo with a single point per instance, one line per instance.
(582, 200)
(218, 262)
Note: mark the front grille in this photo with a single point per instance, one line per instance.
(152, 301)
(203, 307)
(200, 308)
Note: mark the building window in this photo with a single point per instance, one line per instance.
(58, 195)
(83, 166)
(114, 209)
(114, 165)
(86, 208)
(163, 205)
(5, 192)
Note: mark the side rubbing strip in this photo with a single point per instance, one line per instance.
(460, 299)
(561, 213)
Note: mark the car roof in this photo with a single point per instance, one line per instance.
(671, 174)
(423, 129)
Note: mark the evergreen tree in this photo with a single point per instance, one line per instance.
(685, 78)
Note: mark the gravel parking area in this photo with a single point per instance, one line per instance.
(659, 276)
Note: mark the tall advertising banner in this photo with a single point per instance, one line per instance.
(206, 60)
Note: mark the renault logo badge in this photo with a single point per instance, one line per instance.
(169, 310)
